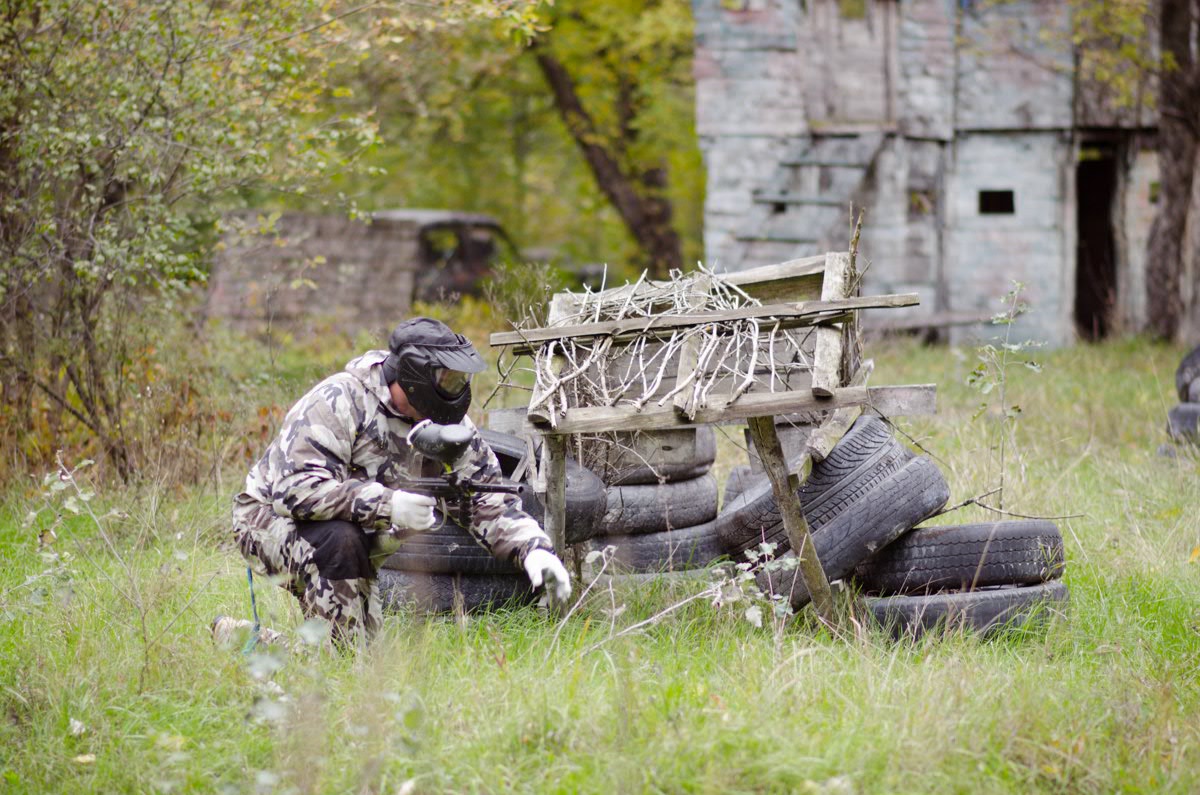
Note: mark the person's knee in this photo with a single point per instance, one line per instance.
(340, 549)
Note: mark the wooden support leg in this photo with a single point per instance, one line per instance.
(784, 486)
(556, 490)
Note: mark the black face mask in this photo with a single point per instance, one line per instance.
(429, 387)
(433, 366)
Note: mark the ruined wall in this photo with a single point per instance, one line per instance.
(314, 272)
(1013, 68)
(1135, 214)
(960, 98)
(749, 105)
(1034, 244)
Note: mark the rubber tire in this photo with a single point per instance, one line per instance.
(674, 550)
(739, 478)
(865, 456)
(441, 593)
(903, 500)
(447, 549)
(634, 510)
(1182, 421)
(585, 495)
(1193, 392)
(986, 612)
(646, 457)
(966, 557)
(1187, 372)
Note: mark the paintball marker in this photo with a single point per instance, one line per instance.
(446, 444)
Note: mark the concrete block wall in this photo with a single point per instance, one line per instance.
(967, 97)
(314, 272)
(985, 253)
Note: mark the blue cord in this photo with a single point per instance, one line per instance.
(252, 641)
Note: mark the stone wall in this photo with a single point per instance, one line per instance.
(936, 100)
(313, 272)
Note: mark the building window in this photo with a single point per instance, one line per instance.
(996, 202)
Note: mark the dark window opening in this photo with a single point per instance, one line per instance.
(1095, 251)
(997, 202)
(779, 208)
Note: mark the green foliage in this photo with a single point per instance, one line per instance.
(991, 374)
(124, 130)
(470, 125)
(521, 293)
(1116, 49)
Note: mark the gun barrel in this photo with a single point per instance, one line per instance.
(500, 488)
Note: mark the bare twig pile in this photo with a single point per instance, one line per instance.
(732, 356)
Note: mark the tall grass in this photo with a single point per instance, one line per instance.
(1103, 700)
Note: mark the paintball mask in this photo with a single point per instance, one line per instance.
(433, 366)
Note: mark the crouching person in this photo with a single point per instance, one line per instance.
(323, 507)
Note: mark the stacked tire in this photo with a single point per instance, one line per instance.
(1183, 419)
(446, 570)
(866, 493)
(983, 576)
(660, 499)
(862, 504)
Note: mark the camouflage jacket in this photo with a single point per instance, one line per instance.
(342, 451)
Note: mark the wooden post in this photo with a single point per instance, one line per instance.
(555, 451)
(784, 486)
(827, 355)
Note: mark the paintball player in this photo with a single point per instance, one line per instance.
(323, 506)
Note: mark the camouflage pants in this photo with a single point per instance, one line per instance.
(330, 567)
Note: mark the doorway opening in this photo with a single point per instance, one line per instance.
(1095, 250)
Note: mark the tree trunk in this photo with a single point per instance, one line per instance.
(639, 196)
(1179, 133)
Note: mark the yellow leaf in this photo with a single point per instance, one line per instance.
(1192, 558)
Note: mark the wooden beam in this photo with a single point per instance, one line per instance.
(555, 520)
(886, 400)
(784, 486)
(793, 268)
(827, 356)
(784, 282)
(804, 313)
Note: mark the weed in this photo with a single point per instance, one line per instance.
(991, 374)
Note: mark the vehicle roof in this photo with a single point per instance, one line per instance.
(429, 217)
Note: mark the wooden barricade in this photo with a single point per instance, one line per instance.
(795, 329)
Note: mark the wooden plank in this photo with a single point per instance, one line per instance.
(555, 521)
(804, 313)
(784, 487)
(784, 282)
(827, 364)
(792, 269)
(886, 400)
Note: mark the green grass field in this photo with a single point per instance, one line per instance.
(110, 682)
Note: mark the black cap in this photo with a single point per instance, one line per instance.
(452, 351)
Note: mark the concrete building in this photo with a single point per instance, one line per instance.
(961, 127)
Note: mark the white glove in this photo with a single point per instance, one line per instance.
(412, 511)
(544, 566)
